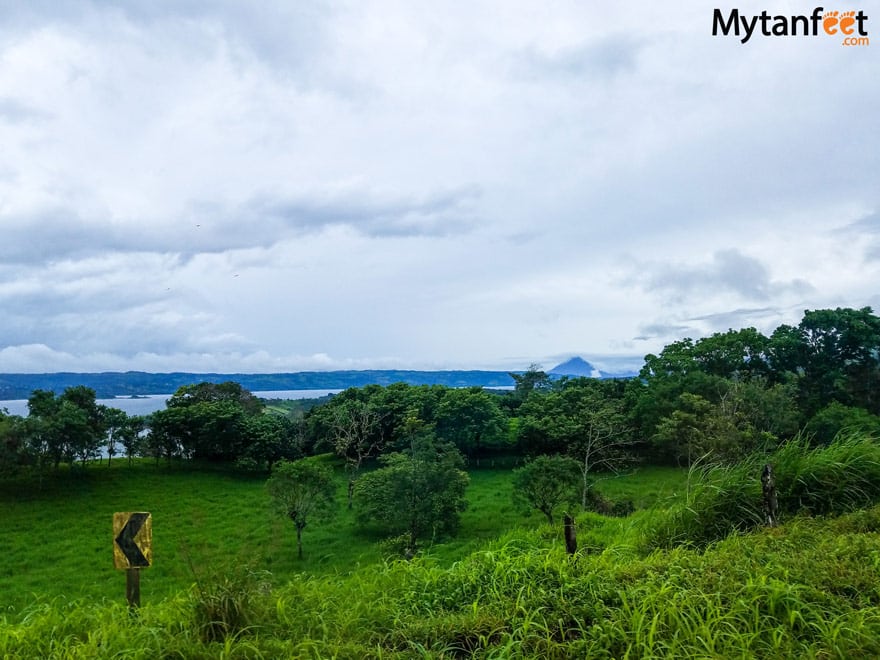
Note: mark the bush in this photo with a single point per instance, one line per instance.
(836, 418)
(598, 503)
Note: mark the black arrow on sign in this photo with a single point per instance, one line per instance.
(125, 540)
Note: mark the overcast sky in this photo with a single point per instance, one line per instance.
(293, 185)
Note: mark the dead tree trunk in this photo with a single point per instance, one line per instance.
(768, 489)
(571, 545)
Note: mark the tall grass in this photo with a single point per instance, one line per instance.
(842, 476)
(808, 589)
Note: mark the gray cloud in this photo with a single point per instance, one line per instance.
(440, 214)
(868, 224)
(210, 226)
(739, 318)
(15, 112)
(729, 270)
(604, 57)
(661, 330)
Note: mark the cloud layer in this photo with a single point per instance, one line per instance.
(228, 187)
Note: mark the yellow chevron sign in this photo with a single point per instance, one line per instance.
(132, 540)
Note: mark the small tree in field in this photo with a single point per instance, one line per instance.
(546, 483)
(302, 490)
(418, 494)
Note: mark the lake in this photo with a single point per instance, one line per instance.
(148, 403)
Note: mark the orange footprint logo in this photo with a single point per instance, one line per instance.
(830, 21)
(847, 20)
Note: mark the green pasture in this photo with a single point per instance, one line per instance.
(57, 540)
(696, 575)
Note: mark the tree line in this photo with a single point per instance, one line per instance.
(725, 394)
(720, 397)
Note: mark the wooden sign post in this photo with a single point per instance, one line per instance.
(132, 550)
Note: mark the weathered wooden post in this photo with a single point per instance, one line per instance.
(768, 489)
(133, 587)
(132, 550)
(571, 545)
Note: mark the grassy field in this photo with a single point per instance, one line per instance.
(696, 575)
(58, 541)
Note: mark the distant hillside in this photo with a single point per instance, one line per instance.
(110, 384)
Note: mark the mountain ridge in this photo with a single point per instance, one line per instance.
(108, 384)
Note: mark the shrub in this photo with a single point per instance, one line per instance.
(836, 418)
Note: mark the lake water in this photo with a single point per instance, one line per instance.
(148, 403)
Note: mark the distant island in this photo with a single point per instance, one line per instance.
(139, 383)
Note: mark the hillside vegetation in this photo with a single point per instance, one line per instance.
(650, 585)
(424, 521)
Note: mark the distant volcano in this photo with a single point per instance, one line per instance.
(576, 367)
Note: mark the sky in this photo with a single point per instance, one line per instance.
(232, 186)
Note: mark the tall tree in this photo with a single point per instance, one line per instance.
(533, 379)
(113, 420)
(471, 419)
(584, 419)
(205, 421)
(357, 436)
(65, 428)
(130, 434)
(271, 438)
(227, 392)
(13, 444)
(833, 355)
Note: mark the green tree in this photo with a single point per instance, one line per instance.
(302, 491)
(113, 420)
(743, 417)
(394, 405)
(835, 356)
(14, 454)
(75, 436)
(471, 419)
(533, 379)
(683, 434)
(836, 418)
(545, 483)
(585, 419)
(65, 428)
(205, 421)
(357, 436)
(271, 438)
(226, 392)
(171, 434)
(130, 434)
(601, 440)
(42, 442)
(417, 494)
